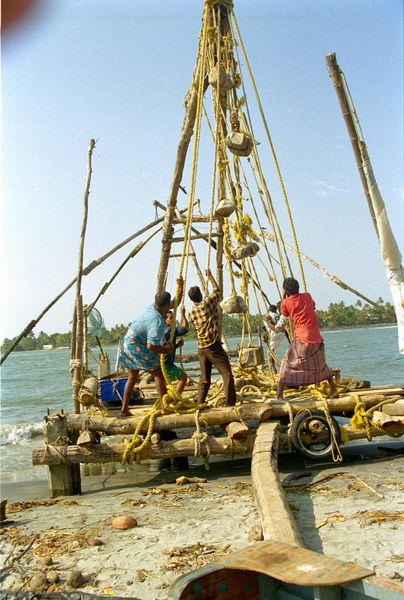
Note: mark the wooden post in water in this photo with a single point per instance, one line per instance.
(78, 338)
(62, 477)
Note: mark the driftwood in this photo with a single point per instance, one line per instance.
(276, 519)
(209, 416)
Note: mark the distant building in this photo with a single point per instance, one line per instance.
(47, 346)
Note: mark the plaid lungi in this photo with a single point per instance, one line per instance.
(303, 364)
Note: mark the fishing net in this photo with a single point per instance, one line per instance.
(96, 325)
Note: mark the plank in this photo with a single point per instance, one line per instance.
(276, 519)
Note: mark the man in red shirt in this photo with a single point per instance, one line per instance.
(304, 362)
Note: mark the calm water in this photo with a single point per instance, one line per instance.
(32, 382)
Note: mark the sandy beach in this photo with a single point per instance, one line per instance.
(354, 511)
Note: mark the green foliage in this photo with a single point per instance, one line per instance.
(337, 315)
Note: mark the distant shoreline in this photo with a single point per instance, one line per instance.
(361, 326)
(333, 328)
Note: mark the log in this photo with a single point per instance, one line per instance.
(208, 416)
(337, 405)
(394, 410)
(237, 430)
(102, 453)
(390, 422)
(276, 519)
(88, 391)
(113, 452)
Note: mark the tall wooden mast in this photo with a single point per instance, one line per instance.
(347, 112)
(218, 12)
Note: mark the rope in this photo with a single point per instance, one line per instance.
(362, 418)
(199, 439)
(336, 451)
(258, 99)
(216, 142)
(134, 447)
(196, 140)
(291, 417)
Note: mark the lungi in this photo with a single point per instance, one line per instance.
(134, 354)
(303, 364)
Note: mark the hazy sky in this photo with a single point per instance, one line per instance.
(117, 71)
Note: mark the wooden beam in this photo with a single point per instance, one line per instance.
(195, 219)
(199, 236)
(209, 416)
(337, 405)
(277, 522)
(72, 455)
(102, 453)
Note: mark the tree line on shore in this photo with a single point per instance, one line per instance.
(337, 315)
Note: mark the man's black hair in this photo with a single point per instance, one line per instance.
(195, 294)
(162, 299)
(291, 286)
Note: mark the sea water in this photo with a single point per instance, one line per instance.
(33, 382)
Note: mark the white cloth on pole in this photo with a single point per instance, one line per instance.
(390, 251)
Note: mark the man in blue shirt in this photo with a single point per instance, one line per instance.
(143, 343)
(174, 372)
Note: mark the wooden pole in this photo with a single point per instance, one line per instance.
(190, 104)
(277, 521)
(77, 362)
(62, 477)
(132, 254)
(347, 112)
(86, 271)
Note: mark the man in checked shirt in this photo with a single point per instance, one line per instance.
(204, 316)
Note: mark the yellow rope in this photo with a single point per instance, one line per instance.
(196, 140)
(137, 443)
(362, 418)
(292, 227)
(335, 449)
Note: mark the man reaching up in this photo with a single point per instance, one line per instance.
(205, 319)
